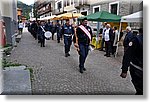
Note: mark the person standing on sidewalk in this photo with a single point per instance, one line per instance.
(21, 26)
(108, 39)
(115, 40)
(67, 31)
(83, 40)
(103, 33)
(133, 57)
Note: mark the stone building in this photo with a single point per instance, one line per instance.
(44, 8)
(9, 15)
(86, 7)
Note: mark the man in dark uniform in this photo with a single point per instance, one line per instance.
(34, 29)
(84, 37)
(127, 38)
(48, 26)
(53, 29)
(58, 30)
(67, 31)
(41, 31)
(133, 57)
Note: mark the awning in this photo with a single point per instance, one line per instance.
(135, 17)
(67, 16)
(102, 16)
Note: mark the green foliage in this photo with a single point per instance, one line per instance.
(26, 9)
(6, 63)
(8, 45)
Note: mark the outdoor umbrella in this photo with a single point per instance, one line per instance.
(67, 16)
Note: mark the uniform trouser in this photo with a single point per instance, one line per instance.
(53, 35)
(67, 42)
(108, 47)
(58, 36)
(83, 54)
(137, 79)
(42, 41)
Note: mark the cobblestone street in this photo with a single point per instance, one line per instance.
(56, 74)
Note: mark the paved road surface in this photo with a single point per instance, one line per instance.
(56, 74)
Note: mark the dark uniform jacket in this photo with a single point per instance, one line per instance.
(82, 37)
(127, 39)
(69, 30)
(48, 26)
(34, 28)
(134, 53)
(41, 32)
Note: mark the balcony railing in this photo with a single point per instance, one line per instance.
(50, 9)
(58, 11)
(81, 4)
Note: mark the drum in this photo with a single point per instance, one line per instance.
(48, 35)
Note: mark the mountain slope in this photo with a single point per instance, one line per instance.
(26, 9)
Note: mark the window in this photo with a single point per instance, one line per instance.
(67, 2)
(59, 5)
(114, 8)
(96, 9)
(74, 11)
(85, 13)
(72, 2)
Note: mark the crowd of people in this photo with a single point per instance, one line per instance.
(82, 35)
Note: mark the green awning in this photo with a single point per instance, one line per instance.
(102, 16)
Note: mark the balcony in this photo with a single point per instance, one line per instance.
(81, 4)
(50, 9)
(40, 5)
(58, 11)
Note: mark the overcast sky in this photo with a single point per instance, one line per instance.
(28, 2)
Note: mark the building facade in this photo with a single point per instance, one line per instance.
(86, 7)
(9, 15)
(44, 8)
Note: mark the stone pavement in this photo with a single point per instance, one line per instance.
(56, 74)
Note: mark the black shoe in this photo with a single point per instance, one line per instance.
(105, 55)
(66, 55)
(84, 69)
(58, 41)
(44, 46)
(81, 71)
(108, 56)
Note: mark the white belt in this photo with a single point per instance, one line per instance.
(137, 67)
(68, 34)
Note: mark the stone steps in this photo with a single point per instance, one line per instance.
(16, 81)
